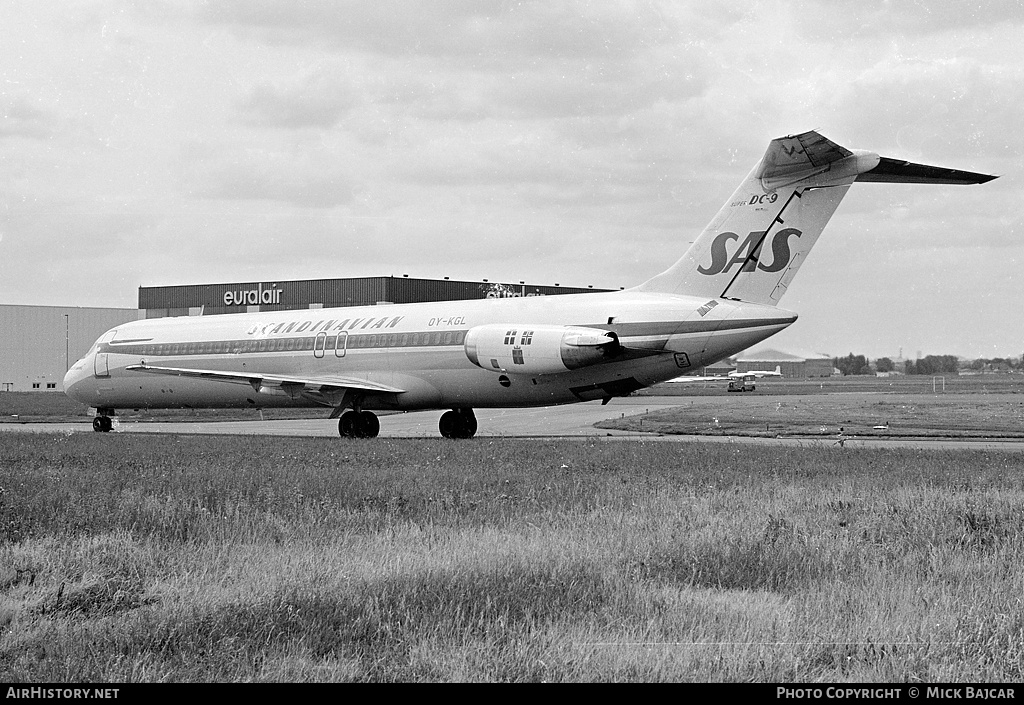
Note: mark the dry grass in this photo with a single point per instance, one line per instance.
(859, 408)
(247, 559)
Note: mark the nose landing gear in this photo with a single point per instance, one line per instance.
(102, 423)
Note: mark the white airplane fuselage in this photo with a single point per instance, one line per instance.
(420, 349)
(718, 299)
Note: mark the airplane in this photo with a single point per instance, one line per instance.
(734, 375)
(737, 381)
(719, 298)
(777, 372)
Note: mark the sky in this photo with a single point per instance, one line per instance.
(584, 143)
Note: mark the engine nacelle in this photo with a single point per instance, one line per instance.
(538, 349)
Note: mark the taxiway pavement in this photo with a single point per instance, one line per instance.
(570, 421)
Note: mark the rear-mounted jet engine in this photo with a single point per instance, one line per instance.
(538, 349)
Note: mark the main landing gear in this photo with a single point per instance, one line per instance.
(458, 423)
(358, 424)
(102, 423)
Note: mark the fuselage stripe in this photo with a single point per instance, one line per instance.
(379, 341)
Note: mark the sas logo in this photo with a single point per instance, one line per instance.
(749, 252)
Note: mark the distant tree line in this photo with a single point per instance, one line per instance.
(1004, 364)
(928, 365)
(852, 365)
(934, 365)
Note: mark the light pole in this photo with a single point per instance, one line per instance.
(67, 344)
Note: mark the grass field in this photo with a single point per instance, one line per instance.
(175, 558)
(41, 407)
(989, 406)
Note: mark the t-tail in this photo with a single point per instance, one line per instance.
(754, 246)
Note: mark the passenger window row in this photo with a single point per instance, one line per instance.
(321, 342)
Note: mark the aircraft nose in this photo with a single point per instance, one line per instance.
(73, 380)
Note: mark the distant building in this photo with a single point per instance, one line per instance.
(791, 365)
(39, 343)
(719, 369)
(277, 295)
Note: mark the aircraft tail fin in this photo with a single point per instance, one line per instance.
(753, 247)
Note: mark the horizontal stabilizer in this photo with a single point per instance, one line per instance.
(753, 247)
(897, 171)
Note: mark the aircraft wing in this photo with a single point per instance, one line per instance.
(328, 390)
(696, 378)
(758, 373)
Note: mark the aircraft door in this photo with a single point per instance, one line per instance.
(101, 366)
(323, 342)
(100, 362)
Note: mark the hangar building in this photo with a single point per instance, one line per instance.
(791, 365)
(39, 343)
(210, 299)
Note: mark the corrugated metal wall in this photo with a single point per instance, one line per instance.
(360, 291)
(39, 343)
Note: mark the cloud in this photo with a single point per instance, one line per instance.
(478, 60)
(950, 104)
(317, 100)
(818, 20)
(529, 140)
(482, 31)
(21, 117)
(235, 173)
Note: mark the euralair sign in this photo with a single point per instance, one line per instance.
(253, 297)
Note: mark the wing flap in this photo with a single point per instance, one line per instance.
(269, 383)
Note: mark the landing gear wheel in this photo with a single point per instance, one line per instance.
(102, 424)
(358, 424)
(347, 425)
(369, 424)
(458, 423)
(469, 421)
